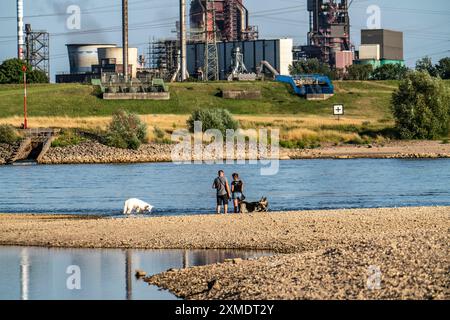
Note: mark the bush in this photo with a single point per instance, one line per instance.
(11, 73)
(126, 131)
(443, 68)
(390, 72)
(219, 119)
(421, 107)
(8, 134)
(426, 65)
(360, 72)
(311, 66)
(160, 136)
(300, 144)
(67, 138)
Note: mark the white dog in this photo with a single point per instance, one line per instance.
(136, 205)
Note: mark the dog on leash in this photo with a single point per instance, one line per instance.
(259, 206)
(136, 205)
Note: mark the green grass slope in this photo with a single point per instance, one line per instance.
(362, 99)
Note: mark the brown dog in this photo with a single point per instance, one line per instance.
(249, 207)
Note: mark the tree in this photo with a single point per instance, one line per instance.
(426, 65)
(360, 72)
(219, 119)
(126, 131)
(8, 134)
(11, 72)
(311, 66)
(421, 107)
(390, 72)
(443, 68)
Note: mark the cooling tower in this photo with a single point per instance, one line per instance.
(83, 56)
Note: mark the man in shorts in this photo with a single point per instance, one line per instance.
(222, 192)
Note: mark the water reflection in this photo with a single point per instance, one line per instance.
(41, 273)
(128, 271)
(24, 274)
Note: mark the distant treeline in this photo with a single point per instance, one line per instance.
(11, 73)
(367, 72)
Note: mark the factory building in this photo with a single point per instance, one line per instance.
(114, 56)
(329, 33)
(390, 42)
(231, 18)
(380, 47)
(277, 52)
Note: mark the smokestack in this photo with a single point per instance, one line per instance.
(183, 39)
(20, 37)
(125, 38)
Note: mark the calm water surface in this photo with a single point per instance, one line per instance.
(107, 274)
(185, 189)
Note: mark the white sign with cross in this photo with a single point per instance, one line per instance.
(338, 110)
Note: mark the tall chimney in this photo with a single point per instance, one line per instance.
(20, 35)
(125, 38)
(183, 39)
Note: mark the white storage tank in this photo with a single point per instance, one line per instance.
(117, 54)
(83, 56)
(285, 58)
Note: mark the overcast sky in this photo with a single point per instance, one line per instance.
(425, 23)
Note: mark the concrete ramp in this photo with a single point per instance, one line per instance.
(21, 151)
(34, 145)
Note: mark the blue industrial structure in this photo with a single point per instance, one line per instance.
(309, 85)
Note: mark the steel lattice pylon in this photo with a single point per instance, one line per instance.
(37, 52)
(211, 53)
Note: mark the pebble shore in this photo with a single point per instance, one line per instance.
(92, 152)
(317, 254)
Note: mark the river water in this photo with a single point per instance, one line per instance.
(186, 189)
(86, 274)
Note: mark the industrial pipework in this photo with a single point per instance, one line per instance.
(329, 28)
(231, 23)
(311, 86)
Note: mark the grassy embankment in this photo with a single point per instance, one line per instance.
(302, 123)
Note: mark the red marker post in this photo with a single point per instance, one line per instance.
(25, 122)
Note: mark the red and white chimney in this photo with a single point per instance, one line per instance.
(20, 31)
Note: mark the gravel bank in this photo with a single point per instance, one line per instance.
(94, 152)
(391, 150)
(321, 254)
(5, 152)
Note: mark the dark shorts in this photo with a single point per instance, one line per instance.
(222, 200)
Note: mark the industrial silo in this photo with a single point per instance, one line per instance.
(83, 56)
(115, 54)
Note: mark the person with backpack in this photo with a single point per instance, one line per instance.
(223, 193)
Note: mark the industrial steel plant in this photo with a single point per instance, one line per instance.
(216, 40)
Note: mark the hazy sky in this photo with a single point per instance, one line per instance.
(425, 23)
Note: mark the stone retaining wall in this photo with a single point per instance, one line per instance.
(94, 152)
